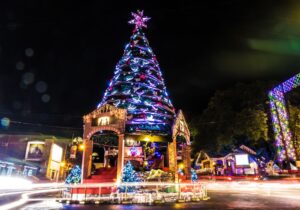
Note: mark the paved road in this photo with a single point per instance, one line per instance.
(219, 200)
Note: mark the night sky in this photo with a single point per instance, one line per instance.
(57, 57)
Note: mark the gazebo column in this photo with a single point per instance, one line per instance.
(186, 153)
(172, 153)
(120, 157)
(87, 159)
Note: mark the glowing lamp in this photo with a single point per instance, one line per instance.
(181, 166)
(81, 147)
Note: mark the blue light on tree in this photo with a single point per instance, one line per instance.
(194, 175)
(129, 175)
(74, 176)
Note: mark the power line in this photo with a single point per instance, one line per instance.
(43, 125)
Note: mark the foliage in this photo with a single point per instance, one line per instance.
(234, 116)
(74, 176)
(129, 175)
(194, 175)
(294, 123)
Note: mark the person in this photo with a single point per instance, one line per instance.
(36, 153)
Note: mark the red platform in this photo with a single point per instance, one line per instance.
(102, 175)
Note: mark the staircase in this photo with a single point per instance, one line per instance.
(103, 175)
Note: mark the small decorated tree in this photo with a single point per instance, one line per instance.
(194, 176)
(129, 175)
(74, 177)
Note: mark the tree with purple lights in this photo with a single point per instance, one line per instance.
(138, 86)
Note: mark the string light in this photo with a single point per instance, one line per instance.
(280, 118)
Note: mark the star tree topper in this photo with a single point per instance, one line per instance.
(139, 20)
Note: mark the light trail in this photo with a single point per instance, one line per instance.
(286, 190)
(25, 198)
(280, 190)
(35, 187)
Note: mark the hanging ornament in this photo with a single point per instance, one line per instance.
(135, 88)
(134, 68)
(147, 103)
(150, 118)
(126, 92)
(143, 77)
(128, 78)
(140, 92)
(136, 99)
(144, 110)
(116, 103)
(131, 107)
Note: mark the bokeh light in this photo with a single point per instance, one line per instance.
(28, 78)
(29, 52)
(46, 98)
(17, 105)
(5, 122)
(20, 65)
(41, 87)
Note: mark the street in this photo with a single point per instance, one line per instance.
(231, 195)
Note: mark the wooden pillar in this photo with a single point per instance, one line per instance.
(120, 157)
(87, 159)
(186, 153)
(172, 152)
(175, 160)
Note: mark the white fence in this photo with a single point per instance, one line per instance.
(139, 192)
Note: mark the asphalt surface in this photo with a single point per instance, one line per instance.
(219, 200)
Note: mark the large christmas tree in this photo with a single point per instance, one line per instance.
(138, 86)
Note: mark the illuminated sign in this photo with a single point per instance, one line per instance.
(103, 121)
(133, 151)
(56, 153)
(35, 150)
(242, 160)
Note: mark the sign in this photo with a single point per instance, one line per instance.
(103, 121)
(242, 160)
(56, 153)
(133, 151)
(35, 150)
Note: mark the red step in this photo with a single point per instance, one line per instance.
(95, 191)
(103, 175)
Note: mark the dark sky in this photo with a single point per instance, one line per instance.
(56, 57)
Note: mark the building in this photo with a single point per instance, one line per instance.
(235, 163)
(32, 155)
